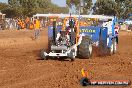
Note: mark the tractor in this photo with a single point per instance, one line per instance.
(72, 39)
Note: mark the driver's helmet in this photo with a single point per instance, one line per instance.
(71, 23)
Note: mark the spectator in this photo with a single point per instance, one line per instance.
(27, 22)
(116, 32)
(37, 28)
(19, 24)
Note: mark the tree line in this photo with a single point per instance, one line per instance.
(23, 8)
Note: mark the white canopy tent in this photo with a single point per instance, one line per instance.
(67, 15)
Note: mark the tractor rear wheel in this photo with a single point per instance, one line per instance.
(85, 48)
(112, 49)
(114, 46)
(72, 55)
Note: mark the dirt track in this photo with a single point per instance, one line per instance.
(21, 67)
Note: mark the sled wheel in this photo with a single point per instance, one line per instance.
(72, 55)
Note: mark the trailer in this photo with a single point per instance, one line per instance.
(98, 32)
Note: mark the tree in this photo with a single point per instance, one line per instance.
(25, 8)
(120, 8)
(6, 9)
(3, 6)
(76, 2)
(123, 8)
(16, 8)
(106, 7)
(87, 4)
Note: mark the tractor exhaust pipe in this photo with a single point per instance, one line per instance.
(54, 32)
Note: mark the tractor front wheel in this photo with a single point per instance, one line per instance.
(42, 54)
(72, 55)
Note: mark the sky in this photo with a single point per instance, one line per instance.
(62, 3)
(58, 2)
(4, 1)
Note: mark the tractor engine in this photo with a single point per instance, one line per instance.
(62, 42)
(63, 39)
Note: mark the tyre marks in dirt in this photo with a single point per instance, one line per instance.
(26, 75)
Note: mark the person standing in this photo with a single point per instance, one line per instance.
(37, 28)
(116, 32)
(27, 23)
(19, 24)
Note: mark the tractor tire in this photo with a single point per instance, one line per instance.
(85, 48)
(114, 46)
(42, 55)
(110, 50)
(72, 55)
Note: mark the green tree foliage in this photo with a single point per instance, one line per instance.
(87, 4)
(106, 7)
(9, 12)
(44, 6)
(23, 8)
(120, 8)
(123, 8)
(6, 9)
(3, 6)
(76, 2)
